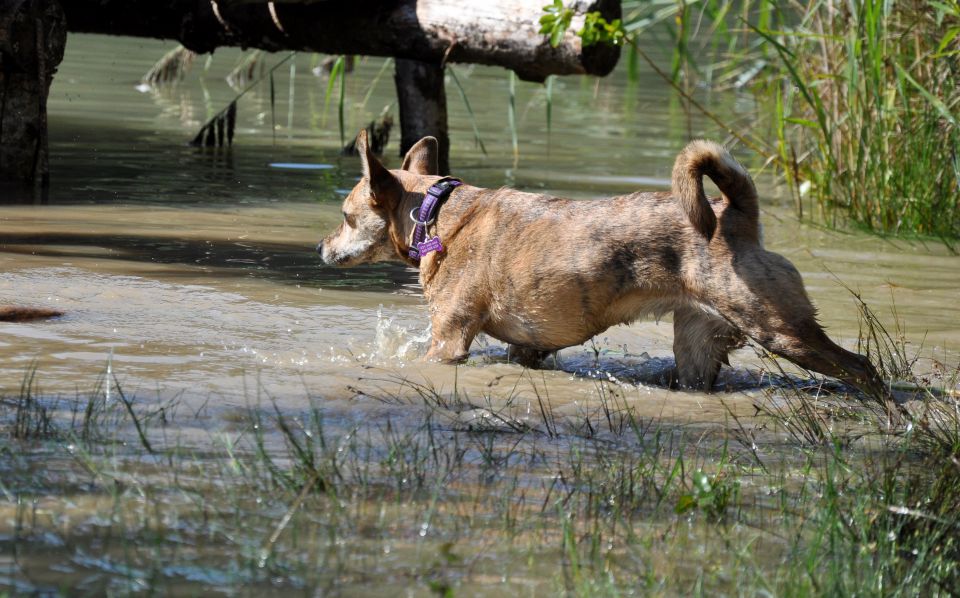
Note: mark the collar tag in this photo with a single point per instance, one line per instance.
(426, 247)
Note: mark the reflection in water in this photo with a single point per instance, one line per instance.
(197, 267)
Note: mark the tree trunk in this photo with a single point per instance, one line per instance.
(32, 38)
(423, 106)
(496, 32)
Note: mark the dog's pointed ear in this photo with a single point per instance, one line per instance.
(423, 157)
(385, 189)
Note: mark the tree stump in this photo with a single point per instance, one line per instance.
(33, 34)
(423, 106)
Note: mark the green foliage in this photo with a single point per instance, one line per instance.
(864, 97)
(710, 495)
(338, 76)
(869, 107)
(466, 102)
(555, 21)
(512, 114)
(296, 497)
(596, 30)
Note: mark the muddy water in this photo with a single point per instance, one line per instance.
(192, 273)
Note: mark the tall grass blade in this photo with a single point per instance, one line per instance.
(934, 100)
(343, 93)
(512, 115)
(291, 88)
(338, 66)
(128, 405)
(372, 86)
(549, 84)
(273, 109)
(466, 102)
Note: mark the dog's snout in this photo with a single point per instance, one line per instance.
(325, 254)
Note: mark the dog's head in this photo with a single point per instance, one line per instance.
(370, 209)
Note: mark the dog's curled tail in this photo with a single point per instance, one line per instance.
(24, 314)
(700, 158)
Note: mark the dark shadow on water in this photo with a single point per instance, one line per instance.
(286, 263)
(644, 370)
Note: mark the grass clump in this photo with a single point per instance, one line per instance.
(867, 113)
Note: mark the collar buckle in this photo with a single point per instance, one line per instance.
(427, 215)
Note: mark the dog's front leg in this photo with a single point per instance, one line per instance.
(451, 336)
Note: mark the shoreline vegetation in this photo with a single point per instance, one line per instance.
(863, 97)
(439, 491)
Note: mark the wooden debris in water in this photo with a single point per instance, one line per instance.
(378, 133)
(218, 128)
(250, 67)
(171, 68)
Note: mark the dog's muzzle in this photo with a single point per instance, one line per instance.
(324, 255)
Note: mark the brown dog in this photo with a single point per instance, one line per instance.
(542, 273)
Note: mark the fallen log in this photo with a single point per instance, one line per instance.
(422, 34)
(494, 32)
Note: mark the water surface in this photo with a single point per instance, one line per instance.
(193, 271)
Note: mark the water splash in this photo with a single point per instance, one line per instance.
(395, 341)
(108, 383)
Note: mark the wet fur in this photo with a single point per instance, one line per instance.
(543, 273)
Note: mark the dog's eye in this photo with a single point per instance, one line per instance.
(348, 219)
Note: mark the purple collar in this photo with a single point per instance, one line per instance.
(427, 215)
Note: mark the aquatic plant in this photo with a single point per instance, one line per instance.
(867, 113)
(219, 130)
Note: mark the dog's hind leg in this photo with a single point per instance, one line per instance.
(803, 341)
(809, 347)
(528, 357)
(768, 303)
(701, 343)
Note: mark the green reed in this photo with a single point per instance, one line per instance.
(866, 122)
